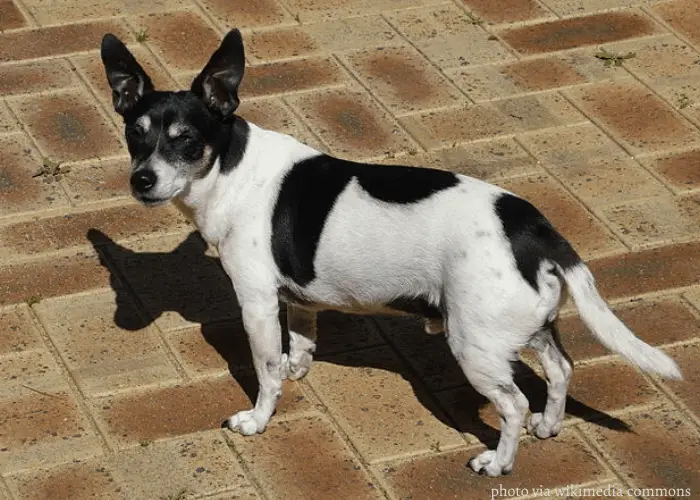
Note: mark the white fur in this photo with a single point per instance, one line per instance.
(450, 247)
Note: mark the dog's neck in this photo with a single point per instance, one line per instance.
(243, 165)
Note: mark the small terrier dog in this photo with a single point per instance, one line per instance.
(290, 222)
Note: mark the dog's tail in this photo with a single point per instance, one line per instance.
(609, 329)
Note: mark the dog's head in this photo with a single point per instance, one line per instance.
(173, 137)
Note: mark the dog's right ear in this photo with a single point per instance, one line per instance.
(127, 78)
(217, 84)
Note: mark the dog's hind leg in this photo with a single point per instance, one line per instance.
(301, 322)
(485, 359)
(558, 370)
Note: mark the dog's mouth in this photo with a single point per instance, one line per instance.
(151, 201)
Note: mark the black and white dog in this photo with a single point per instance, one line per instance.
(324, 233)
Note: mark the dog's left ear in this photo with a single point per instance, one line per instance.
(127, 78)
(217, 84)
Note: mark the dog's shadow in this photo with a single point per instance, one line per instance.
(189, 283)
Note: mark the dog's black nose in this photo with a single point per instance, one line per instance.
(143, 181)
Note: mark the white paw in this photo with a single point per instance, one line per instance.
(486, 464)
(245, 423)
(293, 369)
(537, 426)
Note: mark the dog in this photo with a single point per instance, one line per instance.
(318, 232)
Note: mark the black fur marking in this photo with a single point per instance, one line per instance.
(233, 143)
(417, 306)
(532, 238)
(309, 192)
(228, 140)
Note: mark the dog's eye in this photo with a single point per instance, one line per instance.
(183, 138)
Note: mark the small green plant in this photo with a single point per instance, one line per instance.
(473, 19)
(34, 299)
(683, 100)
(612, 59)
(145, 442)
(142, 36)
(51, 169)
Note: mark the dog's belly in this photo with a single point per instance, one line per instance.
(417, 307)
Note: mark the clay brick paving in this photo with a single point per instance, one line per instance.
(121, 346)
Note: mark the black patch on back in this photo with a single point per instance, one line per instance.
(532, 238)
(309, 192)
(418, 306)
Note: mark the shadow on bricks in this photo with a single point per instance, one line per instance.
(193, 285)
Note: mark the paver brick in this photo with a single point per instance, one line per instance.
(58, 40)
(101, 344)
(35, 77)
(183, 40)
(10, 16)
(687, 358)
(560, 461)
(589, 163)
(403, 79)
(167, 412)
(65, 11)
(507, 11)
(290, 76)
(681, 15)
(305, 458)
(314, 39)
(656, 452)
(563, 34)
(76, 480)
(273, 114)
(648, 271)
(323, 10)
(350, 123)
(680, 170)
(245, 14)
(387, 417)
(491, 119)
(51, 276)
(68, 125)
(578, 7)
(71, 231)
(447, 36)
(197, 464)
(41, 422)
(20, 190)
(638, 118)
(489, 160)
(657, 221)
(19, 332)
(98, 180)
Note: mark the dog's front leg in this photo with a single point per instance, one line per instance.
(261, 322)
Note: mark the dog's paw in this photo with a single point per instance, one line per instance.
(295, 369)
(538, 427)
(486, 464)
(245, 423)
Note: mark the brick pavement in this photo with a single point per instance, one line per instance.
(116, 368)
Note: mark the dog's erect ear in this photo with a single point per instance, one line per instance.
(127, 78)
(217, 84)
